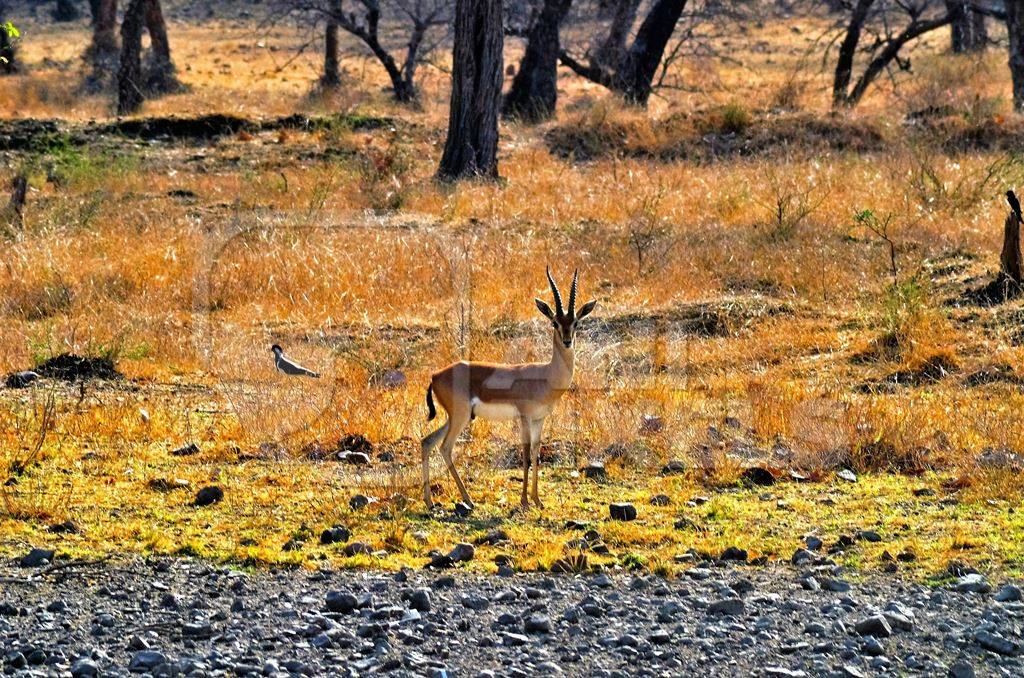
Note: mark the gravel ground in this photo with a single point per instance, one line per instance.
(175, 617)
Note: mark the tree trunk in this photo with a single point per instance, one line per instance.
(331, 76)
(847, 51)
(104, 25)
(534, 90)
(471, 148)
(66, 10)
(1015, 29)
(160, 70)
(612, 51)
(94, 10)
(129, 76)
(979, 32)
(636, 73)
(960, 29)
(1010, 259)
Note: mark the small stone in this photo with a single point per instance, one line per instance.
(734, 554)
(835, 585)
(782, 671)
(661, 500)
(208, 495)
(357, 548)
(492, 538)
(961, 669)
(37, 558)
(185, 450)
(801, 557)
(732, 607)
(871, 536)
(972, 583)
(875, 625)
(463, 510)
(67, 527)
(359, 501)
(20, 379)
(15, 660)
(146, 660)
(872, 647)
(595, 470)
(1009, 593)
(514, 639)
(812, 542)
(996, 643)
(847, 475)
(354, 458)
(341, 602)
(84, 668)
(196, 630)
(420, 600)
(335, 535)
(462, 553)
(673, 467)
(622, 511)
(477, 603)
(537, 623)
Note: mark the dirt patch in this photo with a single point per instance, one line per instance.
(993, 374)
(999, 291)
(929, 370)
(32, 135)
(721, 318)
(695, 136)
(71, 367)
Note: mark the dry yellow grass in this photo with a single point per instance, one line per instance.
(732, 286)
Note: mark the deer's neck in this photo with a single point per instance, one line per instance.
(562, 363)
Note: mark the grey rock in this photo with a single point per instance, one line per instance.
(342, 602)
(37, 558)
(1008, 593)
(622, 511)
(146, 660)
(84, 668)
(875, 625)
(972, 583)
(961, 668)
(420, 600)
(729, 606)
(997, 643)
(208, 495)
(537, 623)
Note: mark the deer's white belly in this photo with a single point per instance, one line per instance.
(494, 411)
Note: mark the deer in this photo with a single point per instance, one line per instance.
(526, 393)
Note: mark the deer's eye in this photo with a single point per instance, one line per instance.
(555, 325)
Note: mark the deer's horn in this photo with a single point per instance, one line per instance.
(554, 291)
(572, 293)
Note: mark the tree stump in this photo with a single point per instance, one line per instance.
(1009, 259)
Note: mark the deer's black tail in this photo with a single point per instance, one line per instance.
(431, 412)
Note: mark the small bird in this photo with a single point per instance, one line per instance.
(289, 367)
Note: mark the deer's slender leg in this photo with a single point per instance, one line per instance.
(526, 437)
(535, 430)
(455, 427)
(429, 443)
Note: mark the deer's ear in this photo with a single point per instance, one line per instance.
(545, 309)
(586, 310)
